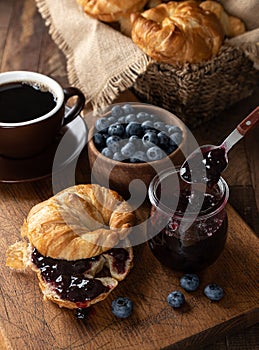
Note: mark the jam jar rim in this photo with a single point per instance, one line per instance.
(182, 216)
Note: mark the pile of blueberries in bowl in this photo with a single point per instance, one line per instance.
(134, 141)
(130, 135)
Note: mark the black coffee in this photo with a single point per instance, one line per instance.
(21, 101)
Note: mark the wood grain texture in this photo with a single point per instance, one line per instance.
(6, 8)
(26, 21)
(26, 44)
(154, 323)
(252, 151)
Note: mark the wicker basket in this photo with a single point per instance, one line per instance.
(197, 93)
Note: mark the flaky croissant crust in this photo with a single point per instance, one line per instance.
(111, 10)
(178, 32)
(232, 26)
(79, 222)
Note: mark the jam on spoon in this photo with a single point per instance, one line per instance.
(206, 163)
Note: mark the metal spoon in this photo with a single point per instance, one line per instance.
(206, 163)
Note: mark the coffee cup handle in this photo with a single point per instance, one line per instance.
(77, 107)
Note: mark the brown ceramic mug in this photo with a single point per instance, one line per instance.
(32, 112)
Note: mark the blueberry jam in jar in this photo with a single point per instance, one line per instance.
(188, 222)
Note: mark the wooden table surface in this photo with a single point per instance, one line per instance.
(26, 45)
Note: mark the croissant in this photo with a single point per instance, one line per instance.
(177, 32)
(111, 10)
(79, 222)
(70, 242)
(232, 26)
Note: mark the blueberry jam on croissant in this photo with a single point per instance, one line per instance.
(120, 256)
(69, 277)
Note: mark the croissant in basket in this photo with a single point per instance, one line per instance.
(232, 26)
(179, 32)
(70, 242)
(111, 10)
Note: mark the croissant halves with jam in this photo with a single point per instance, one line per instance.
(70, 242)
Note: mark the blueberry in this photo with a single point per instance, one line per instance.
(128, 109)
(189, 282)
(153, 118)
(116, 129)
(176, 299)
(159, 125)
(147, 125)
(118, 156)
(139, 157)
(113, 143)
(213, 292)
(99, 140)
(163, 139)
(155, 153)
(137, 143)
(107, 152)
(117, 111)
(121, 119)
(143, 116)
(176, 138)
(171, 129)
(134, 138)
(128, 149)
(122, 307)
(154, 131)
(134, 128)
(102, 124)
(170, 149)
(111, 120)
(130, 118)
(150, 139)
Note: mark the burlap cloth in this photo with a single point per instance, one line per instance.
(102, 62)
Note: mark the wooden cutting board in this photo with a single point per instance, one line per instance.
(27, 322)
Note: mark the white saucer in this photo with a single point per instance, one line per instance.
(40, 166)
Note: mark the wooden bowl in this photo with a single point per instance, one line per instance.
(121, 176)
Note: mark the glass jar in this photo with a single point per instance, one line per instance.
(188, 222)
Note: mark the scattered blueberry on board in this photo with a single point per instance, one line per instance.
(122, 307)
(214, 292)
(176, 299)
(190, 282)
(129, 135)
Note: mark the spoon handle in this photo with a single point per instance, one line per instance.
(243, 127)
(249, 122)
